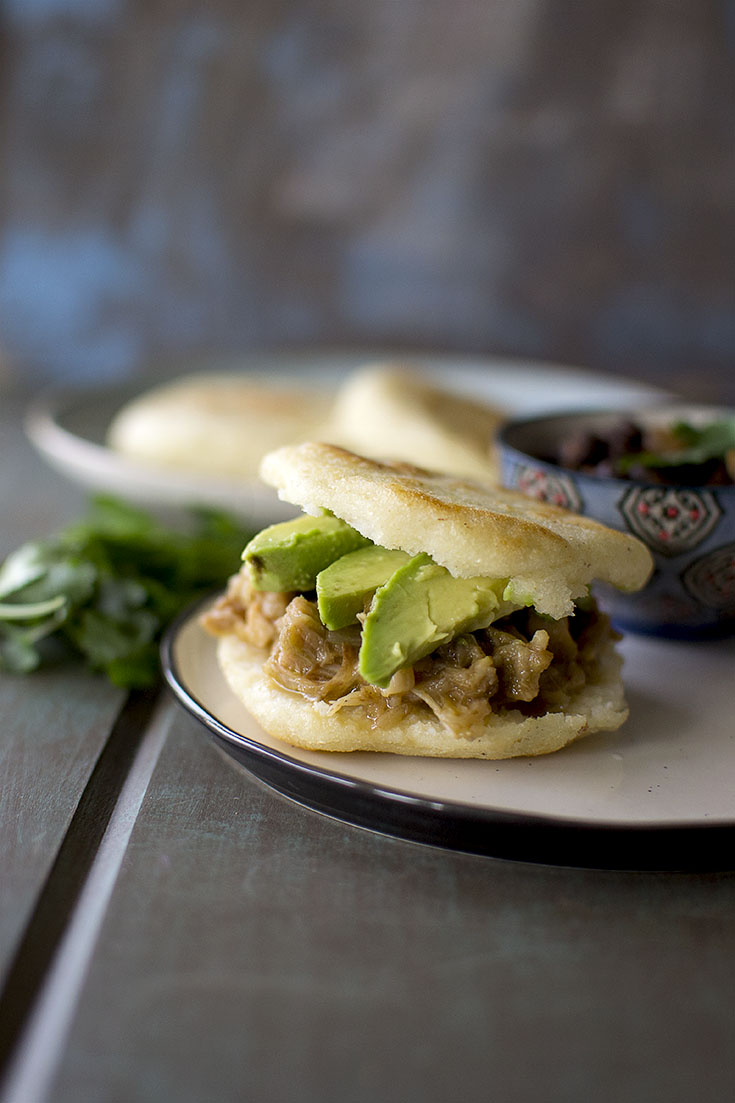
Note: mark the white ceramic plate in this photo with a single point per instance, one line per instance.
(657, 794)
(68, 425)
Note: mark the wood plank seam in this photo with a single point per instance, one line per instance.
(60, 893)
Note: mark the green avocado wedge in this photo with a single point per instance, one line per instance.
(420, 607)
(345, 586)
(290, 555)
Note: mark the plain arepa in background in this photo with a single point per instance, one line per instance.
(216, 424)
(224, 423)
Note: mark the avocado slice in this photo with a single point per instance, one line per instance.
(420, 607)
(290, 555)
(343, 588)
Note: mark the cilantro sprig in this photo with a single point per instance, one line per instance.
(106, 587)
(695, 446)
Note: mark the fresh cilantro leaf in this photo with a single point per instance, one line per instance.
(698, 445)
(18, 654)
(134, 670)
(705, 443)
(108, 585)
(71, 579)
(22, 567)
(103, 639)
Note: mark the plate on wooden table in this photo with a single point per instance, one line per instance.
(68, 425)
(656, 795)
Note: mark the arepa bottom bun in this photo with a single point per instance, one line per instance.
(314, 725)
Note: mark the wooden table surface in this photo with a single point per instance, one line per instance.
(172, 930)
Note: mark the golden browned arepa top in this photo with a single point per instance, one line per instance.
(549, 554)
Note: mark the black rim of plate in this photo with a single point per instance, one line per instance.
(486, 831)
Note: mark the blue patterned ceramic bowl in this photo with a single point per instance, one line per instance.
(690, 530)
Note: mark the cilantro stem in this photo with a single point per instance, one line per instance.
(31, 609)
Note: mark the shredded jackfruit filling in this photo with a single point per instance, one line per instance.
(525, 661)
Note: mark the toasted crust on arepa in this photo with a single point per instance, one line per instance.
(314, 725)
(550, 554)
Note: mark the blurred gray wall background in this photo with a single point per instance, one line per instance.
(545, 178)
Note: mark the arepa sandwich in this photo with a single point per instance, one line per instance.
(418, 613)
